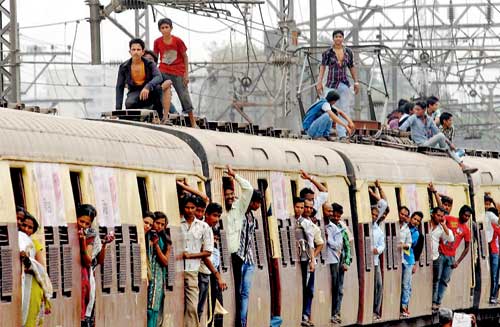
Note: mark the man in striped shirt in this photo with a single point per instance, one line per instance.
(339, 59)
(246, 254)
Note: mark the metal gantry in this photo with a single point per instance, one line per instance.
(9, 52)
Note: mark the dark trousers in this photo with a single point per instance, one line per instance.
(307, 289)
(133, 100)
(337, 273)
(237, 263)
(214, 320)
(203, 284)
(182, 91)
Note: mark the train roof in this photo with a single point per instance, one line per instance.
(31, 136)
(243, 151)
(489, 170)
(371, 162)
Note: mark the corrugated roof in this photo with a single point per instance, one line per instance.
(25, 135)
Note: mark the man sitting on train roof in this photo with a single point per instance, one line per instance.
(320, 116)
(142, 78)
(425, 133)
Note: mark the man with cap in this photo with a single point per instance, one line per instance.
(319, 118)
(339, 59)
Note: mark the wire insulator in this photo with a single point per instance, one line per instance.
(451, 13)
(489, 13)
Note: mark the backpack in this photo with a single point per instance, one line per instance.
(313, 113)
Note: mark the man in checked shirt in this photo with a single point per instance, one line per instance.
(339, 59)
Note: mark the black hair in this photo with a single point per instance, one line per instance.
(298, 200)
(446, 199)
(408, 107)
(402, 102)
(436, 209)
(148, 214)
(199, 203)
(213, 207)
(421, 104)
(164, 21)
(188, 198)
(257, 196)
(432, 100)
(418, 213)
(137, 41)
(404, 207)
(465, 208)
(337, 32)
(305, 191)
(444, 116)
(152, 54)
(332, 96)
(337, 208)
(86, 210)
(494, 210)
(160, 215)
(28, 216)
(488, 198)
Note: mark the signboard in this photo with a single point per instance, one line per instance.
(278, 187)
(106, 196)
(50, 196)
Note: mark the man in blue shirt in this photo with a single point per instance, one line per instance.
(409, 261)
(425, 133)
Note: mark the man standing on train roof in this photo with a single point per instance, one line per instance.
(425, 133)
(339, 59)
(236, 212)
(459, 227)
(142, 78)
(174, 67)
(439, 232)
(320, 116)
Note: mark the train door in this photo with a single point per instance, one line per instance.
(164, 198)
(55, 191)
(390, 261)
(458, 292)
(290, 275)
(10, 265)
(365, 256)
(417, 198)
(339, 193)
(259, 310)
(481, 245)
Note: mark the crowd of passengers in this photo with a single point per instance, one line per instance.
(149, 83)
(203, 283)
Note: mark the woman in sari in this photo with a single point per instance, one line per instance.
(92, 253)
(158, 249)
(36, 285)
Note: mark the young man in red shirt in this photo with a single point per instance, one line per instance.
(174, 67)
(447, 250)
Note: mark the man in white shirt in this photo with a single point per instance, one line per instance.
(439, 232)
(198, 244)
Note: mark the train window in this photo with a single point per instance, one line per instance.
(66, 261)
(16, 177)
(76, 187)
(398, 197)
(293, 185)
(6, 277)
(107, 266)
(143, 193)
(52, 258)
(121, 260)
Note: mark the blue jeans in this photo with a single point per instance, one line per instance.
(247, 271)
(320, 127)
(379, 291)
(406, 285)
(337, 272)
(343, 104)
(494, 276)
(307, 289)
(441, 277)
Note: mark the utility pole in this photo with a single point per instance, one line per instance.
(9, 64)
(95, 31)
(313, 25)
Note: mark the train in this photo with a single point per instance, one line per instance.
(50, 165)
